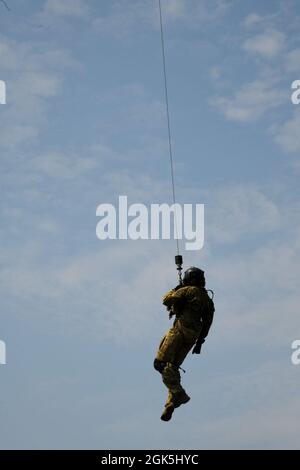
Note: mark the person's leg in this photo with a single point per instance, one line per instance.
(168, 345)
(177, 395)
(171, 353)
(171, 374)
(171, 379)
(182, 351)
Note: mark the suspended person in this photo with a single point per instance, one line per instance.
(194, 310)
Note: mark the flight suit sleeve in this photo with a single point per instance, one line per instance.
(207, 319)
(207, 322)
(174, 298)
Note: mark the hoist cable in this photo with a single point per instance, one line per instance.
(168, 122)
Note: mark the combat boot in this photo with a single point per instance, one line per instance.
(167, 413)
(180, 399)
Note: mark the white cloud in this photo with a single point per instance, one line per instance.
(37, 84)
(137, 111)
(94, 284)
(75, 8)
(252, 19)
(258, 285)
(62, 165)
(266, 424)
(30, 57)
(86, 283)
(293, 61)
(267, 44)
(210, 10)
(14, 135)
(251, 101)
(287, 135)
(125, 18)
(174, 8)
(35, 75)
(240, 211)
(48, 225)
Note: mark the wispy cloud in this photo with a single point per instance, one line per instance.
(251, 102)
(35, 77)
(267, 44)
(267, 97)
(124, 18)
(241, 211)
(287, 135)
(66, 8)
(253, 19)
(64, 166)
(292, 61)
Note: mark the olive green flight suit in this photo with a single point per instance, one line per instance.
(194, 314)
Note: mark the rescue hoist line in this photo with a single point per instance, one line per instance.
(178, 257)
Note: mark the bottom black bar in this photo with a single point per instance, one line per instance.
(136, 458)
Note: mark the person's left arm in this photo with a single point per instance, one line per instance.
(207, 320)
(175, 298)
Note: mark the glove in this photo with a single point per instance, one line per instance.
(198, 346)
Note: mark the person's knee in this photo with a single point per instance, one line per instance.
(171, 373)
(159, 365)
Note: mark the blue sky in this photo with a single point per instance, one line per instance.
(84, 123)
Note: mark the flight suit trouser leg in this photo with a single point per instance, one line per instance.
(172, 351)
